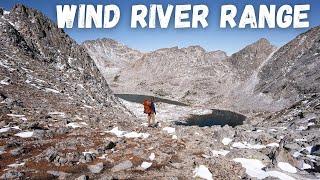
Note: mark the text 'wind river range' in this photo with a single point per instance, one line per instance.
(184, 16)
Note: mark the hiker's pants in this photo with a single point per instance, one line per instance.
(151, 118)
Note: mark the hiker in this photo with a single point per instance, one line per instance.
(150, 110)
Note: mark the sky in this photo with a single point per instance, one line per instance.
(211, 38)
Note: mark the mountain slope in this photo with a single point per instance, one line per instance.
(111, 56)
(182, 74)
(190, 74)
(52, 45)
(52, 95)
(165, 72)
(293, 71)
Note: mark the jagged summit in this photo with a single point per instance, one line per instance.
(263, 41)
(250, 58)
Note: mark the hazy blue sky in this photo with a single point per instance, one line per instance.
(211, 38)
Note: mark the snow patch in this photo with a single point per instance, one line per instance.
(152, 156)
(120, 133)
(308, 148)
(202, 172)
(254, 169)
(117, 132)
(219, 152)
(26, 134)
(2, 130)
(169, 130)
(226, 141)
(22, 117)
(80, 85)
(136, 135)
(296, 154)
(146, 165)
(6, 129)
(302, 128)
(272, 130)
(51, 90)
(6, 12)
(89, 107)
(104, 156)
(16, 127)
(15, 165)
(246, 145)
(62, 114)
(306, 166)
(5, 81)
(273, 145)
(287, 167)
(77, 125)
(311, 124)
(16, 115)
(6, 66)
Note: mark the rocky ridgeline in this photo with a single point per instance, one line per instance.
(180, 73)
(293, 71)
(110, 56)
(191, 74)
(258, 78)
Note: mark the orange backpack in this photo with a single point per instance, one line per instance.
(147, 107)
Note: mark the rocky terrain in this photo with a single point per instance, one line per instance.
(60, 120)
(191, 75)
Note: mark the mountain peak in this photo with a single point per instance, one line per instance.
(263, 40)
(249, 58)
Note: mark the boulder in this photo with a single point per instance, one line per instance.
(12, 175)
(51, 154)
(83, 177)
(59, 174)
(97, 168)
(17, 151)
(124, 165)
